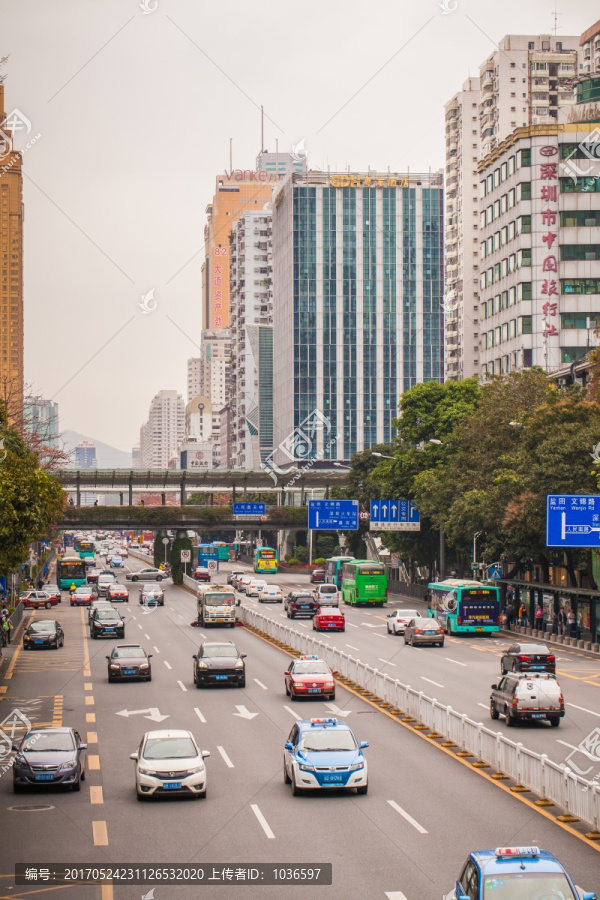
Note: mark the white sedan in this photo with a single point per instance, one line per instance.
(271, 593)
(254, 588)
(169, 762)
(398, 620)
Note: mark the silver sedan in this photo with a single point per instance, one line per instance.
(424, 631)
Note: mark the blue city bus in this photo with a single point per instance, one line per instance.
(333, 569)
(465, 607)
(206, 552)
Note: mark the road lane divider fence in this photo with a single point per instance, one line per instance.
(555, 784)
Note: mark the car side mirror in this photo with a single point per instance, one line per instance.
(288, 745)
(205, 754)
(108, 657)
(334, 672)
(134, 756)
(150, 655)
(83, 746)
(194, 656)
(243, 655)
(363, 745)
(494, 687)
(15, 745)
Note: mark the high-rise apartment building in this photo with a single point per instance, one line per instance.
(215, 366)
(194, 377)
(135, 458)
(11, 250)
(40, 420)
(358, 319)
(461, 301)
(85, 455)
(162, 434)
(251, 280)
(540, 247)
(235, 192)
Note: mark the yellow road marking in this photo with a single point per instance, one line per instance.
(3, 689)
(87, 686)
(100, 834)
(89, 701)
(92, 737)
(87, 673)
(93, 762)
(96, 795)
(90, 717)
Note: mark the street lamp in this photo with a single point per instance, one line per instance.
(475, 536)
(381, 455)
(340, 466)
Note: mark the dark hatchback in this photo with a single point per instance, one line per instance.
(45, 633)
(300, 603)
(49, 756)
(527, 658)
(107, 623)
(219, 663)
(129, 662)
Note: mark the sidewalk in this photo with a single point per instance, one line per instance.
(552, 640)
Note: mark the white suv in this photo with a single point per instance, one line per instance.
(327, 595)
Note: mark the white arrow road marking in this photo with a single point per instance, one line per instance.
(155, 715)
(408, 818)
(337, 711)
(243, 713)
(455, 661)
(437, 684)
(260, 684)
(387, 662)
(352, 647)
(182, 685)
(293, 712)
(262, 820)
(583, 709)
(200, 716)
(395, 895)
(167, 664)
(226, 759)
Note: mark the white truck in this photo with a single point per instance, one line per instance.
(216, 604)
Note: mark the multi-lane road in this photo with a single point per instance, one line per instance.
(406, 839)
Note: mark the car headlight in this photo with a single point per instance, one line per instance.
(115, 668)
(298, 683)
(239, 664)
(329, 684)
(143, 665)
(28, 638)
(356, 766)
(143, 771)
(201, 665)
(196, 769)
(304, 768)
(70, 764)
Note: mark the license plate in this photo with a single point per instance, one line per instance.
(172, 785)
(221, 677)
(479, 629)
(314, 690)
(538, 715)
(44, 777)
(128, 671)
(303, 607)
(333, 778)
(331, 625)
(38, 642)
(430, 632)
(109, 629)
(219, 620)
(536, 667)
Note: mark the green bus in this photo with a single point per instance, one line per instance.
(462, 606)
(85, 547)
(223, 549)
(70, 570)
(364, 582)
(333, 569)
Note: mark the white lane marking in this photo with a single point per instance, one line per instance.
(147, 636)
(200, 716)
(352, 625)
(387, 662)
(134, 617)
(483, 706)
(352, 647)
(282, 616)
(437, 684)
(262, 820)
(395, 895)
(294, 714)
(376, 633)
(303, 624)
(179, 616)
(583, 709)
(565, 744)
(167, 664)
(368, 624)
(260, 684)
(156, 649)
(456, 661)
(182, 685)
(139, 626)
(408, 818)
(226, 759)
(171, 608)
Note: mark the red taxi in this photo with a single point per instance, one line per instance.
(118, 592)
(309, 676)
(329, 618)
(38, 600)
(84, 595)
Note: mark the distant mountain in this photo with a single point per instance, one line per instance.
(107, 457)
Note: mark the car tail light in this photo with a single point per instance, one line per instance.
(561, 699)
(514, 703)
(551, 658)
(418, 631)
(524, 658)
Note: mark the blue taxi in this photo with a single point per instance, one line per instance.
(323, 753)
(515, 873)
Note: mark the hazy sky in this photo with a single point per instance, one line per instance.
(135, 111)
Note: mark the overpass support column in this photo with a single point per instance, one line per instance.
(131, 488)
(121, 498)
(163, 499)
(78, 488)
(182, 490)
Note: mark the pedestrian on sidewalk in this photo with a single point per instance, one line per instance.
(571, 622)
(6, 630)
(523, 615)
(539, 617)
(561, 620)
(510, 616)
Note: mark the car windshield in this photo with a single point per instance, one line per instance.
(311, 667)
(219, 600)
(107, 614)
(426, 623)
(169, 748)
(328, 589)
(532, 648)
(406, 614)
(82, 590)
(42, 626)
(523, 885)
(213, 652)
(302, 597)
(41, 742)
(128, 653)
(151, 589)
(328, 739)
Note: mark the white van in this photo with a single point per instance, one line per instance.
(326, 595)
(531, 695)
(103, 582)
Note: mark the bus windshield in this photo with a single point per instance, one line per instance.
(371, 570)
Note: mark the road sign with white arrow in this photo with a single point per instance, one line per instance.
(153, 713)
(572, 520)
(244, 713)
(394, 515)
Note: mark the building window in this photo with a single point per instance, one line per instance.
(586, 218)
(579, 320)
(530, 46)
(580, 185)
(580, 285)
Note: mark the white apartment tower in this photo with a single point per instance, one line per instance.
(164, 431)
(194, 377)
(251, 287)
(461, 300)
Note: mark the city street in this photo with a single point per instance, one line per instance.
(407, 838)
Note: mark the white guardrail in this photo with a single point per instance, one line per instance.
(550, 780)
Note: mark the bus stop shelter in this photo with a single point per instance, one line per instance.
(584, 602)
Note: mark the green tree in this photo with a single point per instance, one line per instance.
(177, 567)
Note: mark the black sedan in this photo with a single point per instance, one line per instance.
(45, 633)
(107, 623)
(527, 658)
(129, 662)
(219, 663)
(52, 756)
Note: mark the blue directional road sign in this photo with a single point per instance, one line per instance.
(333, 515)
(394, 515)
(572, 520)
(249, 509)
